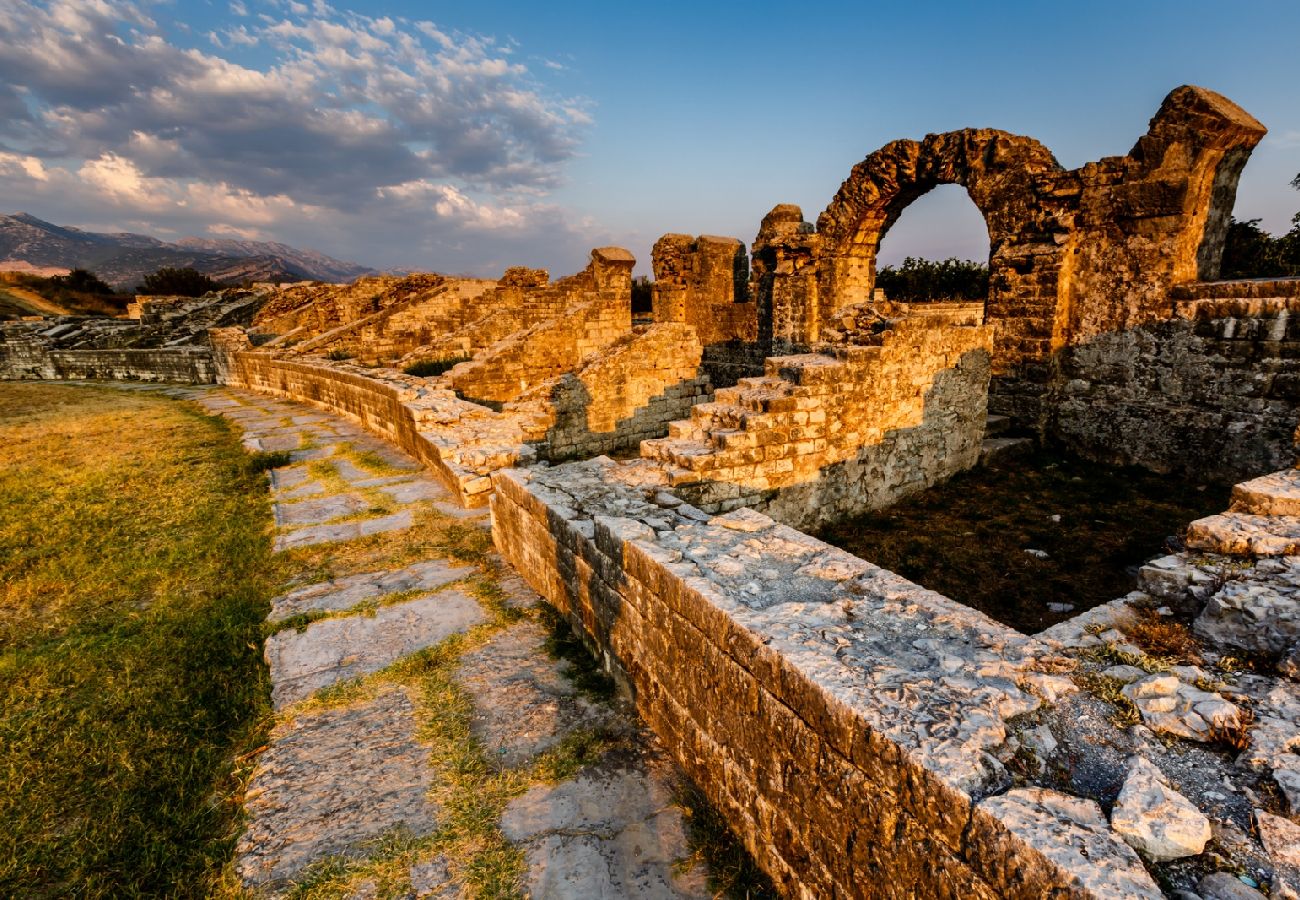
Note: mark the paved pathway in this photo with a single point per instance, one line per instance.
(347, 774)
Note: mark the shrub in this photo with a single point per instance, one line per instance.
(922, 280)
(83, 281)
(339, 353)
(427, 368)
(187, 282)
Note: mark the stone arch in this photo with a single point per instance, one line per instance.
(997, 169)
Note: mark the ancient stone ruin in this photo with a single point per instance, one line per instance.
(862, 735)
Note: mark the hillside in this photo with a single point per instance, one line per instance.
(123, 259)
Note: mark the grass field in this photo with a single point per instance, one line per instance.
(134, 576)
(967, 538)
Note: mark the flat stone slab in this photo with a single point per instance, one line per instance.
(344, 531)
(604, 834)
(319, 511)
(330, 781)
(345, 593)
(523, 705)
(414, 491)
(1246, 534)
(1277, 494)
(1074, 835)
(332, 650)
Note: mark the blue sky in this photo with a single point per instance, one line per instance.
(468, 137)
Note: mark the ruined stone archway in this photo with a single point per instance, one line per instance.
(998, 171)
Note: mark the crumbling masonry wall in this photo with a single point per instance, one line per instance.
(822, 436)
(839, 717)
(1073, 253)
(627, 394)
(704, 282)
(1212, 393)
(585, 314)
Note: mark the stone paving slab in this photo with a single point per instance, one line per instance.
(606, 834)
(523, 705)
(345, 593)
(330, 781)
(343, 531)
(319, 511)
(414, 491)
(333, 650)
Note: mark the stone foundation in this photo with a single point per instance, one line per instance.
(187, 366)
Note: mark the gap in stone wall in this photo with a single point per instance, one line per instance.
(1034, 540)
(941, 224)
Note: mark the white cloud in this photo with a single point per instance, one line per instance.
(390, 142)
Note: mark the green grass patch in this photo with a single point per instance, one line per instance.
(967, 538)
(265, 460)
(134, 553)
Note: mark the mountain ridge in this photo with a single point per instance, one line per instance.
(123, 258)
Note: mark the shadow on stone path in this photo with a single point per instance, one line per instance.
(346, 798)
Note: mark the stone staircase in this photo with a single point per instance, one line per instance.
(816, 424)
(998, 444)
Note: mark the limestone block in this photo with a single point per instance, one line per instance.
(1155, 819)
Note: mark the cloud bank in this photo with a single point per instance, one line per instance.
(388, 140)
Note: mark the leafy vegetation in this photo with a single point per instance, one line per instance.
(967, 538)
(169, 282)
(78, 293)
(428, 368)
(642, 294)
(923, 280)
(1251, 252)
(133, 584)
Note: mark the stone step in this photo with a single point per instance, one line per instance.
(995, 425)
(999, 449)
(1246, 534)
(1277, 494)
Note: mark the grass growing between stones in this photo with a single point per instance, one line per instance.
(133, 561)
(967, 538)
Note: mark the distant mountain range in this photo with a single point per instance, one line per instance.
(123, 259)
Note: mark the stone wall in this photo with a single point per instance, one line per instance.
(460, 442)
(704, 282)
(524, 299)
(1073, 253)
(1213, 393)
(839, 717)
(822, 436)
(626, 394)
(400, 327)
(186, 365)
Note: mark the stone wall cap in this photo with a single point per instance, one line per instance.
(613, 255)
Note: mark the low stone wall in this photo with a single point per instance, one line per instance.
(1213, 393)
(34, 360)
(840, 717)
(627, 394)
(824, 436)
(461, 443)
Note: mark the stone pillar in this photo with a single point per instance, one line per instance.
(784, 280)
(704, 282)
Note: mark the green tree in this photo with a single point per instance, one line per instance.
(922, 280)
(187, 282)
(1251, 252)
(83, 281)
